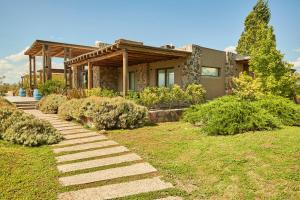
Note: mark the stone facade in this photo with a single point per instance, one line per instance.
(109, 77)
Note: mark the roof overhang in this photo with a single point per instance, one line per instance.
(137, 53)
(57, 49)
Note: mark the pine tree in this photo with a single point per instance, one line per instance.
(259, 42)
(259, 15)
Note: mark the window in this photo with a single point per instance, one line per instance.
(210, 71)
(165, 77)
(131, 81)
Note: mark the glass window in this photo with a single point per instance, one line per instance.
(165, 77)
(131, 81)
(210, 71)
(161, 78)
(170, 77)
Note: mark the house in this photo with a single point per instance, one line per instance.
(131, 65)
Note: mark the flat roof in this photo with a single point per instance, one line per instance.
(137, 53)
(56, 49)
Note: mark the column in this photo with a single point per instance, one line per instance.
(34, 72)
(30, 72)
(90, 75)
(125, 72)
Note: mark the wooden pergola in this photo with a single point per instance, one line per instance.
(48, 50)
(122, 54)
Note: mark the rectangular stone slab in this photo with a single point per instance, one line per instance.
(81, 140)
(82, 130)
(107, 174)
(91, 154)
(98, 162)
(69, 128)
(85, 146)
(63, 125)
(117, 190)
(80, 135)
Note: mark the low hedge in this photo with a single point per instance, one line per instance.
(230, 115)
(105, 113)
(49, 104)
(21, 128)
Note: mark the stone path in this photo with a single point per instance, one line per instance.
(91, 157)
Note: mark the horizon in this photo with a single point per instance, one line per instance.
(154, 23)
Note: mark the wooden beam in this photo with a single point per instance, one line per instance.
(90, 75)
(125, 71)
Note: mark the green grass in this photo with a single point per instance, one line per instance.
(254, 165)
(27, 172)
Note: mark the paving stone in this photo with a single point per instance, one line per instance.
(107, 174)
(69, 128)
(171, 198)
(60, 125)
(98, 162)
(80, 135)
(65, 132)
(85, 146)
(81, 140)
(117, 190)
(91, 154)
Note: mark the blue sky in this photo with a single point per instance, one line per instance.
(214, 24)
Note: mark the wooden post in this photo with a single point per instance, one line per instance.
(65, 66)
(44, 63)
(70, 77)
(30, 72)
(49, 65)
(90, 75)
(34, 72)
(125, 72)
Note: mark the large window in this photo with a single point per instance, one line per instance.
(210, 71)
(165, 77)
(131, 81)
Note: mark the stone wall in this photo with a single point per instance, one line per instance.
(109, 77)
(170, 115)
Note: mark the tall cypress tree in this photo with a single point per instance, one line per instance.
(259, 42)
(259, 15)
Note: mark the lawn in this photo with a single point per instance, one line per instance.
(254, 165)
(27, 173)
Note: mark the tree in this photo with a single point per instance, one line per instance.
(259, 42)
(259, 15)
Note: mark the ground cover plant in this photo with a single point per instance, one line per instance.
(253, 165)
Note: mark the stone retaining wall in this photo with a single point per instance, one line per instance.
(170, 115)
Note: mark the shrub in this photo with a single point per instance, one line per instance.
(32, 132)
(231, 115)
(5, 103)
(246, 87)
(76, 93)
(101, 92)
(154, 97)
(70, 110)
(49, 104)
(195, 94)
(113, 113)
(51, 86)
(5, 113)
(284, 109)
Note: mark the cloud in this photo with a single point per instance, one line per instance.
(296, 64)
(13, 66)
(230, 49)
(297, 50)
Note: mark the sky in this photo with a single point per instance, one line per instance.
(214, 24)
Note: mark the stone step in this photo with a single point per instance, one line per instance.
(85, 146)
(81, 140)
(117, 190)
(80, 135)
(107, 174)
(65, 132)
(91, 154)
(26, 108)
(69, 128)
(98, 162)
